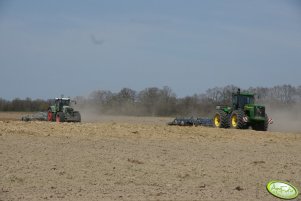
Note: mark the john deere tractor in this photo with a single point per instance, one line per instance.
(61, 111)
(242, 114)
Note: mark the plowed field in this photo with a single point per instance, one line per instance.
(129, 158)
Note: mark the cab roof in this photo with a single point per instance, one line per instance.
(62, 98)
(246, 94)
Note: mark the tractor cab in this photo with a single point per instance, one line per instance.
(246, 103)
(239, 100)
(60, 103)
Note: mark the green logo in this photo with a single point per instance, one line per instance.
(282, 189)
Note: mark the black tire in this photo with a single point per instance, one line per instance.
(77, 116)
(262, 126)
(221, 119)
(50, 115)
(236, 120)
(60, 117)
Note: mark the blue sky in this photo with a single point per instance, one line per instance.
(49, 48)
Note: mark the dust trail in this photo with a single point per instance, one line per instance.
(286, 118)
(89, 113)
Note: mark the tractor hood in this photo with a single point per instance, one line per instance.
(67, 109)
(250, 106)
(255, 111)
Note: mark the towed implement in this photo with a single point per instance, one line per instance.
(61, 111)
(191, 122)
(39, 116)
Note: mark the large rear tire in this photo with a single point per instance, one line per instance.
(50, 115)
(237, 121)
(60, 117)
(221, 119)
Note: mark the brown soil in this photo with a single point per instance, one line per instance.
(128, 158)
(12, 116)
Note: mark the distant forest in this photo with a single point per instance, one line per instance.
(155, 101)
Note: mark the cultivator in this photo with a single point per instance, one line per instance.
(191, 122)
(39, 116)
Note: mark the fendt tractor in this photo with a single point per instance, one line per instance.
(242, 114)
(61, 111)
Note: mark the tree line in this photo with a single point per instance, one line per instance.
(23, 105)
(155, 101)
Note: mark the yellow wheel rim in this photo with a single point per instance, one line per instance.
(217, 120)
(234, 121)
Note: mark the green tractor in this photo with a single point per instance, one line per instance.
(61, 111)
(242, 114)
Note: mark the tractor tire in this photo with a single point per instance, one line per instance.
(221, 119)
(60, 117)
(236, 120)
(77, 116)
(262, 126)
(50, 116)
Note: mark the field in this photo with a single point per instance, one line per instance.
(141, 158)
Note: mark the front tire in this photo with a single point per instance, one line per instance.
(77, 116)
(262, 126)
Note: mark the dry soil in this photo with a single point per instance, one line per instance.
(135, 158)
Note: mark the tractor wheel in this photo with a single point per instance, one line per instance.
(236, 120)
(60, 117)
(50, 115)
(77, 116)
(262, 126)
(221, 119)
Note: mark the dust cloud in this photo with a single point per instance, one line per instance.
(89, 113)
(95, 113)
(286, 119)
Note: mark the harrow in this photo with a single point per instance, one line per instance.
(182, 121)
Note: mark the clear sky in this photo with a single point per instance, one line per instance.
(72, 47)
